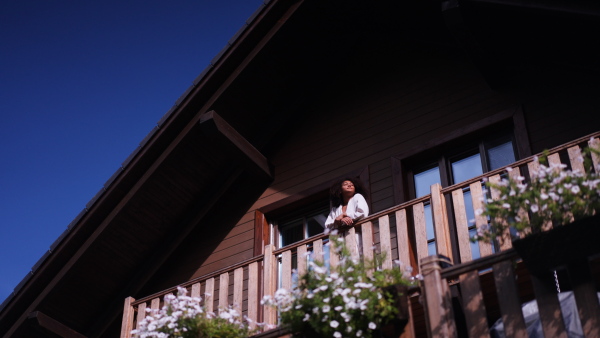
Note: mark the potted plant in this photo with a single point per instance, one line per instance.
(183, 316)
(353, 299)
(553, 198)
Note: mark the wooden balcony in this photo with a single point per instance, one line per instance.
(401, 233)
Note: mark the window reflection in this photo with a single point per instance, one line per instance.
(430, 230)
(501, 155)
(466, 168)
(425, 179)
(310, 224)
(471, 223)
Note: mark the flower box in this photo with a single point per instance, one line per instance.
(546, 251)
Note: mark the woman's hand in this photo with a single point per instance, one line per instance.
(343, 220)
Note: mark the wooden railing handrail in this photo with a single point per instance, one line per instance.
(447, 272)
(371, 218)
(520, 162)
(199, 279)
(479, 263)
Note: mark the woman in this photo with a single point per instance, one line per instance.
(347, 203)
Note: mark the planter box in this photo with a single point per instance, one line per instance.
(392, 329)
(561, 246)
(395, 328)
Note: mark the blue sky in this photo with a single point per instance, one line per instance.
(81, 83)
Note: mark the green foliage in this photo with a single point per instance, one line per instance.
(555, 196)
(183, 316)
(345, 301)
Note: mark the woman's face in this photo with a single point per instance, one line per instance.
(348, 187)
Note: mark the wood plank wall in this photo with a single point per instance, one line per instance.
(364, 122)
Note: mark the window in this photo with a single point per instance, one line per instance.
(458, 164)
(301, 225)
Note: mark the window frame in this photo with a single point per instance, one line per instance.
(403, 164)
(305, 211)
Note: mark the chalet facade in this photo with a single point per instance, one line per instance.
(221, 193)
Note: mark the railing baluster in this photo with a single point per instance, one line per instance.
(420, 231)
(534, 168)
(301, 259)
(437, 299)
(318, 250)
(485, 249)
(209, 291)
(223, 291)
(195, 290)
(514, 174)
(548, 306)
(385, 241)
(475, 313)
(506, 242)
(141, 314)
(367, 236)
(334, 259)
(155, 304)
(253, 293)
(462, 226)
(554, 159)
(238, 288)
(402, 238)
(508, 299)
(576, 158)
(586, 298)
(286, 270)
(440, 221)
(352, 243)
(595, 143)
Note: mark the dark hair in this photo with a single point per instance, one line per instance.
(335, 192)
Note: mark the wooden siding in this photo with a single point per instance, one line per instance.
(364, 123)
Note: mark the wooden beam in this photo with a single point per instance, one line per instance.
(185, 105)
(212, 123)
(52, 325)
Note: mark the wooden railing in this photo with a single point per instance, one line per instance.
(238, 286)
(473, 187)
(399, 232)
(500, 269)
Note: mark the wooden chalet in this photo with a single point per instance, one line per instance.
(420, 99)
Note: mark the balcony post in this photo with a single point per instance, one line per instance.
(438, 304)
(270, 283)
(128, 313)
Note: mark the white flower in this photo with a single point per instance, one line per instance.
(334, 324)
(306, 317)
(326, 308)
(575, 189)
(534, 208)
(359, 333)
(372, 326)
(337, 334)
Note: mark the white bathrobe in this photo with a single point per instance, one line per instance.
(357, 209)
